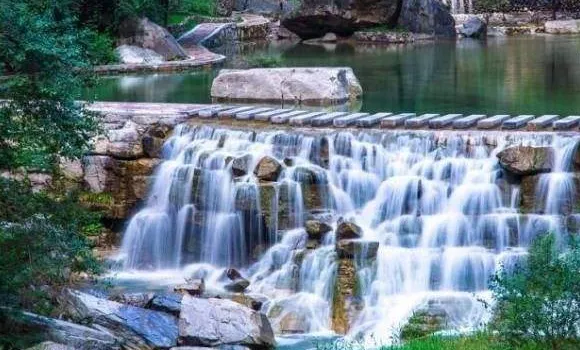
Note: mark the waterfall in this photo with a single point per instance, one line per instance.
(438, 219)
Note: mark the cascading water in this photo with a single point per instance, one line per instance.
(443, 212)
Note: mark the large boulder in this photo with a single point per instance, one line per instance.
(526, 160)
(315, 18)
(129, 54)
(218, 322)
(70, 334)
(571, 26)
(474, 27)
(427, 16)
(310, 86)
(139, 328)
(143, 33)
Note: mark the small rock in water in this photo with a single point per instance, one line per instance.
(240, 165)
(526, 160)
(233, 274)
(268, 169)
(237, 286)
(133, 299)
(193, 287)
(316, 229)
(348, 230)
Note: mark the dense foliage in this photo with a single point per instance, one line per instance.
(540, 300)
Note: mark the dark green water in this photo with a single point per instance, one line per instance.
(532, 74)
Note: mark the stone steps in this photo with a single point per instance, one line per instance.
(385, 120)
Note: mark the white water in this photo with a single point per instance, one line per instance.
(439, 205)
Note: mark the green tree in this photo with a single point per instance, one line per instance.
(540, 300)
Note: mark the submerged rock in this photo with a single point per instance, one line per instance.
(137, 327)
(348, 230)
(217, 322)
(526, 160)
(312, 86)
(474, 27)
(268, 169)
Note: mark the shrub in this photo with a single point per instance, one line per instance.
(540, 300)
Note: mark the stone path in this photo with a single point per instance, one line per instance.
(383, 120)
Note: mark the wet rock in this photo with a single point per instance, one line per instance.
(423, 323)
(153, 140)
(309, 176)
(216, 322)
(346, 303)
(427, 16)
(293, 323)
(133, 299)
(143, 33)
(168, 303)
(48, 345)
(526, 160)
(474, 27)
(237, 283)
(241, 165)
(139, 328)
(247, 301)
(316, 229)
(67, 333)
(563, 27)
(315, 18)
(193, 287)
(129, 54)
(350, 249)
(348, 230)
(309, 86)
(268, 169)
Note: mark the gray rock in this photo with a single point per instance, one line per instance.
(133, 299)
(67, 334)
(313, 86)
(241, 165)
(48, 345)
(139, 328)
(169, 303)
(129, 54)
(194, 287)
(217, 322)
(315, 18)
(237, 286)
(526, 160)
(474, 27)
(148, 35)
(563, 27)
(427, 16)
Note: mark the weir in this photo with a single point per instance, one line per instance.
(437, 216)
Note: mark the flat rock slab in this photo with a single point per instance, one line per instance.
(327, 119)
(493, 121)
(567, 123)
(396, 120)
(371, 120)
(212, 112)
(467, 122)
(304, 119)
(284, 118)
(309, 86)
(265, 116)
(343, 122)
(251, 113)
(443, 121)
(230, 113)
(517, 122)
(420, 121)
(542, 122)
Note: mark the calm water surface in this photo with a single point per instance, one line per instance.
(534, 74)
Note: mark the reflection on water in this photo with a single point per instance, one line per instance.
(534, 74)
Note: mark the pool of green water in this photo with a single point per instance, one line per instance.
(518, 75)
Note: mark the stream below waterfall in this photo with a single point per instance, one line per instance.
(437, 213)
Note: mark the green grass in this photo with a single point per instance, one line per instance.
(264, 61)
